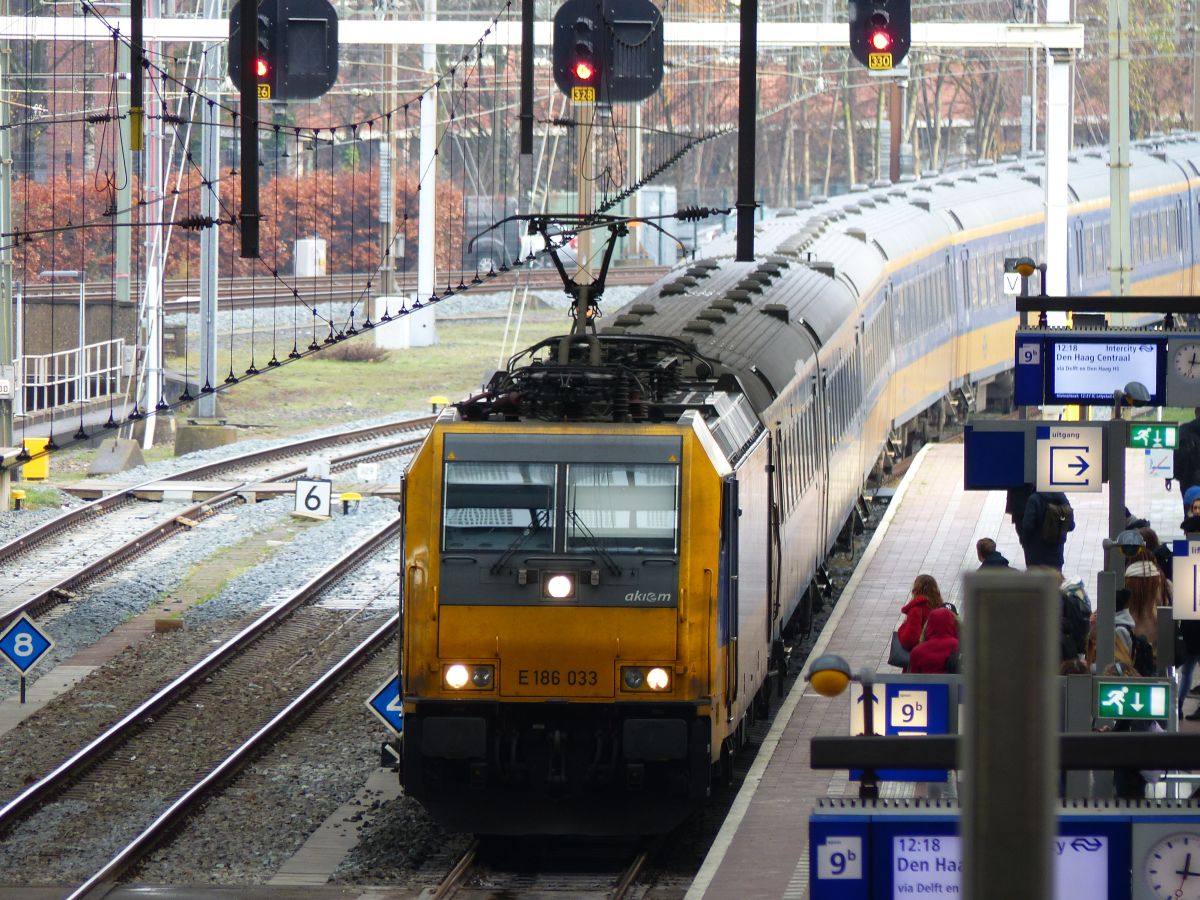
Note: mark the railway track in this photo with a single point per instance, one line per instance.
(42, 568)
(244, 292)
(603, 873)
(138, 780)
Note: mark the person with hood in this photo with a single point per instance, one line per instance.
(1043, 548)
(930, 656)
(1191, 510)
(1187, 458)
(923, 598)
(989, 556)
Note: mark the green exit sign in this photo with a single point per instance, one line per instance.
(1154, 436)
(1132, 699)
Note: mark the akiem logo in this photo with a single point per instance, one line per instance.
(648, 597)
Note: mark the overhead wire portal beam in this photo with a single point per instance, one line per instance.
(416, 31)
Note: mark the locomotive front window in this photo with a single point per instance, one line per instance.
(623, 507)
(489, 506)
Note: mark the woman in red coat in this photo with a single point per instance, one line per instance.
(924, 598)
(940, 643)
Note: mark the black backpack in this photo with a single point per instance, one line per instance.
(1075, 622)
(1142, 653)
(1058, 519)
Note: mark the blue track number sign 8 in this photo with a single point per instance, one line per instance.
(23, 644)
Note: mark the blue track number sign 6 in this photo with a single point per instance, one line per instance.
(23, 644)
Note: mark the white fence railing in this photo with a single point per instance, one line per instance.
(54, 379)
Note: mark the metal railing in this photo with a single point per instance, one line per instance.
(68, 376)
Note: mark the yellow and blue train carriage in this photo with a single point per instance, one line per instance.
(607, 550)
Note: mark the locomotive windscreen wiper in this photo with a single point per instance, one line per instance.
(535, 525)
(594, 543)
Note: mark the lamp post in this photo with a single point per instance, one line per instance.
(829, 675)
(54, 274)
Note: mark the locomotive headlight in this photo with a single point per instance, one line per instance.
(481, 677)
(456, 677)
(633, 678)
(658, 679)
(559, 587)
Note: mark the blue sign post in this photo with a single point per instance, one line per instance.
(911, 706)
(23, 644)
(388, 705)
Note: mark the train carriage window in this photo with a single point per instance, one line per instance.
(623, 507)
(490, 505)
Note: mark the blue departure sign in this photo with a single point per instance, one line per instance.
(387, 704)
(23, 644)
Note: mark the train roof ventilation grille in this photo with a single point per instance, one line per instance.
(685, 280)
(699, 326)
(780, 261)
(672, 289)
(706, 264)
(737, 295)
(699, 272)
(1032, 178)
(711, 315)
(857, 233)
(626, 319)
(823, 266)
(921, 203)
(643, 309)
(724, 304)
(750, 284)
(776, 311)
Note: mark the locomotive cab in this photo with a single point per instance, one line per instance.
(576, 541)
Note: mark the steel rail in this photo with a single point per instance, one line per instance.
(72, 518)
(449, 885)
(79, 763)
(286, 719)
(156, 534)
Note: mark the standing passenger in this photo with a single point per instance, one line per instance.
(924, 597)
(1187, 457)
(1044, 526)
(989, 556)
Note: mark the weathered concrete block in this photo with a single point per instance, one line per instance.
(192, 437)
(116, 455)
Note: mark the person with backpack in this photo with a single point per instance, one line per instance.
(1047, 519)
(937, 652)
(1075, 619)
(1137, 624)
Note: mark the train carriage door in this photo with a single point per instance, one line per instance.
(962, 301)
(1075, 272)
(727, 586)
(822, 445)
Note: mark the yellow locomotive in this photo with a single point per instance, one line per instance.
(575, 654)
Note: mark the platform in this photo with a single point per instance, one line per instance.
(931, 526)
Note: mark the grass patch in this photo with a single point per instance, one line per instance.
(38, 496)
(319, 391)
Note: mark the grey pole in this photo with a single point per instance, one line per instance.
(1118, 147)
(1010, 708)
(210, 207)
(6, 268)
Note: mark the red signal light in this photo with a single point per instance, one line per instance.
(261, 69)
(880, 41)
(584, 71)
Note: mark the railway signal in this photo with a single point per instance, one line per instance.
(880, 32)
(297, 49)
(608, 51)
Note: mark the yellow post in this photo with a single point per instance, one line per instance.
(38, 468)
